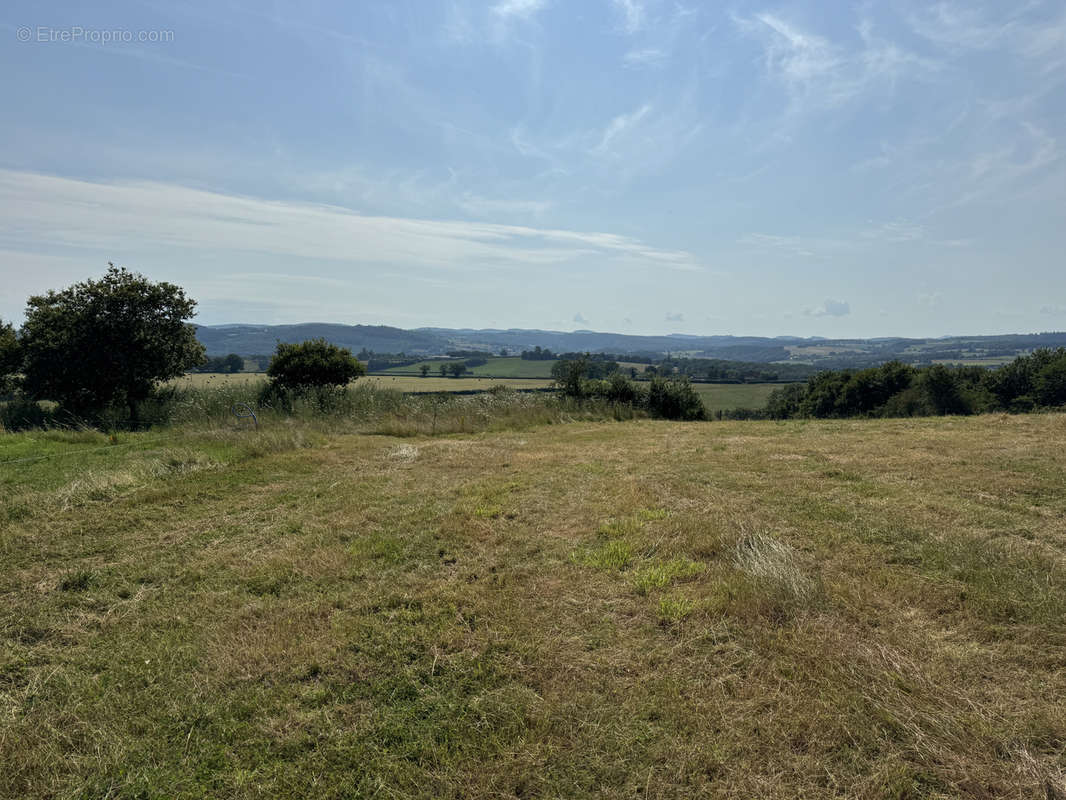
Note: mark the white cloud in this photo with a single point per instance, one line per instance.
(111, 218)
(485, 206)
(818, 73)
(579, 319)
(619, 125)
(930, 299)
(632, 14)
(647, 57)
(521, 9)
(675, 317)
(894, 232)
(830, 308)
(1053, 311)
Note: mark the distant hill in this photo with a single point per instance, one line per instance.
(249, 340)
(815, 351)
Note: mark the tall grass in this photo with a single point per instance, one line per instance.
(365, 408)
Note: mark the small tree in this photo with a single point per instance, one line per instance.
(424, 369)
(569, 376)
(443, 370)
(10, 357)
(674, 399)
(314, 363)
(107, 342)
(457, 369)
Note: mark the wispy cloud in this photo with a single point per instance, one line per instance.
(675, 317)
(830, 308)
(117, 217)
(487, 207)
(632, 14)
(818, 73)
(896, 231)
(646, 57)
(929, 299)
(520, 9)
(579, 319)
(619, 125)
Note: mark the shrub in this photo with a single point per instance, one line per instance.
(1050, 383)
(675, 399)
(314, 363)
(569, 376)
(21, 413)
(617, 389)
(785, 402)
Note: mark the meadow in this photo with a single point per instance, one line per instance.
(725, 396)
(497, 367)
(715, 396)
(385, 380)
(557, 605)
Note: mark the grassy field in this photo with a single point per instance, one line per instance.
(595, 609)
(722, 396)
(715, 396)
(509, 367)
(402, 383)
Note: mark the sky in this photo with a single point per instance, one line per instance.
(808, 168)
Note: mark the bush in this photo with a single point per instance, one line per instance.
(785, 402)
(21, 413)
(617, 389)
(314, 363)
(674, 399)
(1050, 383)
(569, 376)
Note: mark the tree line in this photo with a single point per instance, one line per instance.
(895, 389)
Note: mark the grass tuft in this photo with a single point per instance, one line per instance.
(659, 576)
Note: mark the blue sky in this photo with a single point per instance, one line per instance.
(834, 169)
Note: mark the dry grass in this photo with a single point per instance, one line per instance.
(818, 609)
(400, 383)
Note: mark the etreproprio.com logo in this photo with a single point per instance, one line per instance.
(72, 34)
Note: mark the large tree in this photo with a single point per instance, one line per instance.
(107, 342)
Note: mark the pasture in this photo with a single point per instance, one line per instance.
(647, 609)
(497, 367)
(724, 396)
(401, 383)
(715, 396)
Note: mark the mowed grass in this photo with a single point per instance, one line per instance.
(638, 609)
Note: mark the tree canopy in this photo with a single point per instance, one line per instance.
(315, 362)
(107, 342)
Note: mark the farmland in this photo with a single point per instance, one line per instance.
(715, 396)
(497, 367)
(723, 396)
(864, 608)
(401, 383)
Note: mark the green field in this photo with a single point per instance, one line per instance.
(724, 396)
(715, 396)
(509, 367)
(401, 383)
(864, 609)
